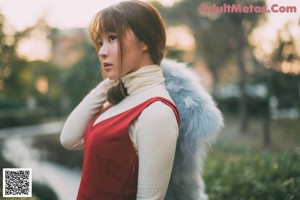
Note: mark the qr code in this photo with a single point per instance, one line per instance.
(17, 182)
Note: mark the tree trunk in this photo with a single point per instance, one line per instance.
(267, 119)
(243, 117)
(266, 130)
(215, 81)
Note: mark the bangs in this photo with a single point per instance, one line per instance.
(107, 20)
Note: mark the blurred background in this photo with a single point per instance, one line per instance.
(249, 62)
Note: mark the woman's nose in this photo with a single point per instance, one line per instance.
(103, 51)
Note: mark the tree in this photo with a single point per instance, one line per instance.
(83, 76)
(219, 38)
(11, 67)
(22, 80)
(280, 72)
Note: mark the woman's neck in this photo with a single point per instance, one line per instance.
(142, 79)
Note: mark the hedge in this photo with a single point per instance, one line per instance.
(233, 173)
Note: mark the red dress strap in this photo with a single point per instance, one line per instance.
(169, 103)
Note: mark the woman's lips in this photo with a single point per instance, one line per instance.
(107, 66)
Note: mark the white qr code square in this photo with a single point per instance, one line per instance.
(17, 182)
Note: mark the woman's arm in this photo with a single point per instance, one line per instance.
(75, 126)
(155, 135)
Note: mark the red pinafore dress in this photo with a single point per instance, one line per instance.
(110, 165)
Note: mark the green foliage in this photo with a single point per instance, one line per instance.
(217, 36)
(21, 102)
(285, 87)
(236, 173)
(21, 86)
(256, 106)
(14, 117)
(285, 56)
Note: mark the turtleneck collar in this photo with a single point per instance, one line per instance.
(142, 79)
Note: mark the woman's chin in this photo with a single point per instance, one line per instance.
(112, 77)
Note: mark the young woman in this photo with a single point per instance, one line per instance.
(131, 142)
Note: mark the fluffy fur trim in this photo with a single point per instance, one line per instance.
(200, 121)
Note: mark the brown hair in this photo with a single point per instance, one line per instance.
(146, 23)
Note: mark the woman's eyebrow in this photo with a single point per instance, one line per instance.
(106, 34)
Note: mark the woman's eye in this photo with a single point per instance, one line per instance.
(112, 38)
(100, 43)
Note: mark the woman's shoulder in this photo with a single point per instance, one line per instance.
(158, 112)
(156, 120)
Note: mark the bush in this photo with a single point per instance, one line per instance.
(22, 117)
(255, 106)
(236, 174)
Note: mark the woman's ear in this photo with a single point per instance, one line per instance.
(144, 46)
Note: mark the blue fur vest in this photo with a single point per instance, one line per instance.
(200, 121)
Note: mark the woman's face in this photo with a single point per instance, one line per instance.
(133, 56)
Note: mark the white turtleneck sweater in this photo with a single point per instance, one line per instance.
(153, 134)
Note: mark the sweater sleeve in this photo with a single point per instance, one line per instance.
(75, 126)
(155, 134)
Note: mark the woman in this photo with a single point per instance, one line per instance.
(130, 144)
